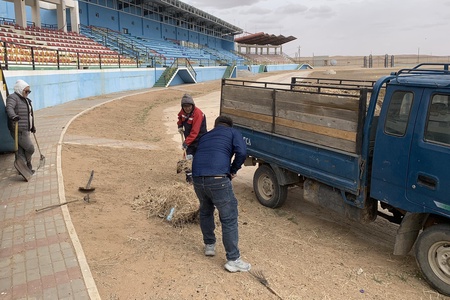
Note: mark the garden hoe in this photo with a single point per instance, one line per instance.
(88, 188)
(42, 158)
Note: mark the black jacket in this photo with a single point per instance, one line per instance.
(16, 105)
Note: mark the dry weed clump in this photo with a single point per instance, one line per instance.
(159, 201)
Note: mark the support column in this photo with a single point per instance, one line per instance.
(36, 13)
(20, 13)
(75, 17)
(61, 15)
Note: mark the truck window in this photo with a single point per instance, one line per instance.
(398, 113)
(438, 120)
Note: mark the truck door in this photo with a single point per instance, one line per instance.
(428, 183)
(393, 143)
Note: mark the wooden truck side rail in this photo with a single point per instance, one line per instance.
(323, 114)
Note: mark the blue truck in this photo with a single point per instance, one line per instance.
(360, 148)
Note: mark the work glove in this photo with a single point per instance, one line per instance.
(184, 146)
(180, 129)
(33, 129)
(16, 119)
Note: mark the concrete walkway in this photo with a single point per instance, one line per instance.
(40, 254)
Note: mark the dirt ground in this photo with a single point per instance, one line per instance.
(304, 252)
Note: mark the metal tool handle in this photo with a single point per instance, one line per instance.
(182, 141)
(88, 185)
(37, 144)
(16, 136)
(55, 205)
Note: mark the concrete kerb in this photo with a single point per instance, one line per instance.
(85, 270)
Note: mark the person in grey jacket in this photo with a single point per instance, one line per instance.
(19, 109)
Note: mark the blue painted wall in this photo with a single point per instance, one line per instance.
(254, 68)
(6, 140)
(98, 16)
(151, 29)
(182, 34)
(56, 87)
(271, 68)
(168, 32)
(209, 73)
(193, 37)
(52, 88)
(131, 23)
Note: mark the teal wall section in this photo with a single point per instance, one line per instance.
(271, 68)
(6, 140)
(51, 88)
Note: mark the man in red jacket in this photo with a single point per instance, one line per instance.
(192, 124)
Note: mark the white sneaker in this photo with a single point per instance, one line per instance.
(210, 249)
(237, 265)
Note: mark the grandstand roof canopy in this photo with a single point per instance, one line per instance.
(188, 13)
(262, 38)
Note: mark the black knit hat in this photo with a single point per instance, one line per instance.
(187, 99)
(223, 120)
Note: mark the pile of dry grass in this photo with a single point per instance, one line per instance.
(184, 165)
(159, 201)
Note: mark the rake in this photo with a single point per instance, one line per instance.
(262, 279)
(42, 158)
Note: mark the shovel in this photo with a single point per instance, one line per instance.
(19, 163)
(184, 164)
(42, 158)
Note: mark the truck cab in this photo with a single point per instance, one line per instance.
(412, 145)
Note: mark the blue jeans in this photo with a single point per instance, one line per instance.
(218, 193)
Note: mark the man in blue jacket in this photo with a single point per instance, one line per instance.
(212, 174)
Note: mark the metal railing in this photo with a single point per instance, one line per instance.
(22, 56)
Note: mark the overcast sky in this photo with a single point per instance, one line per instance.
(343, 27)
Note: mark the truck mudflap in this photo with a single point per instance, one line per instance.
(408, 231)
(285, 177)
(326, 196)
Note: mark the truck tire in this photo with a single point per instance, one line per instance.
(268, 192)
(433, 257)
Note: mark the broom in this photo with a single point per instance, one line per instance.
(262, 279)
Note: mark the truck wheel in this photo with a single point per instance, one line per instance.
(433, 257)
(265, 184)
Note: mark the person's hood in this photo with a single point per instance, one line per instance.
(20, 86)
(187, 99)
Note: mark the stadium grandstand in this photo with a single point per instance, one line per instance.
(116, 33)
(92, 47)
(263, 48)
